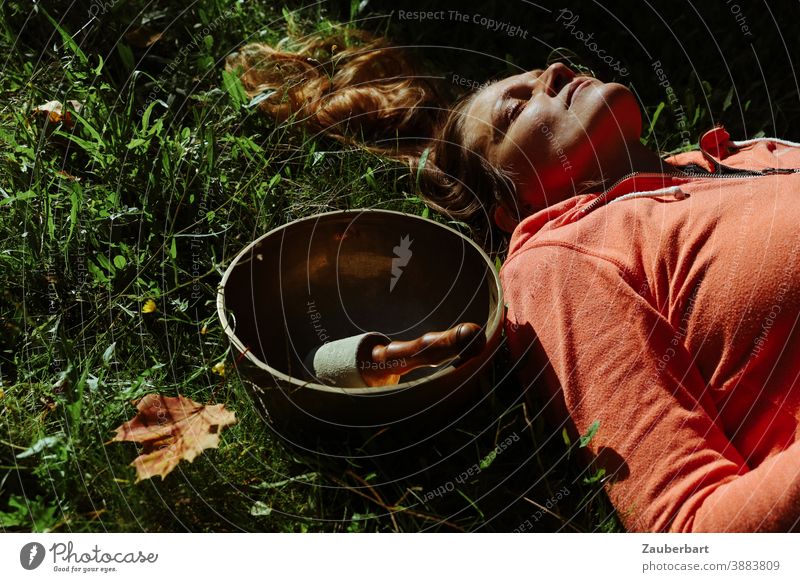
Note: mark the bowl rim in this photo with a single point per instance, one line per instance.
(492, 327)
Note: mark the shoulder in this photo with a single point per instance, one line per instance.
(556, 271)
(565, 251)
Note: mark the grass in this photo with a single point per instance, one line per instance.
(166, 173)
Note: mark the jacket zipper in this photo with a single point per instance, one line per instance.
(688, 174)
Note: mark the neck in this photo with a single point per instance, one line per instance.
(639, 159)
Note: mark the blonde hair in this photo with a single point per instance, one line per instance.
(351, 86)
(357, 88)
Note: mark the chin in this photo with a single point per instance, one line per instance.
(617, 113)
(625, 109)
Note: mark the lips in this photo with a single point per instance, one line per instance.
(573, 87)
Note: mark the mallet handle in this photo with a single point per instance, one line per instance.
(388, 362)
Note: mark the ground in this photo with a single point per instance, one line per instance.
(118, 222)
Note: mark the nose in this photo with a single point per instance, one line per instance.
(555, 77)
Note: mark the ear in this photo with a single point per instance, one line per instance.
(504, 220)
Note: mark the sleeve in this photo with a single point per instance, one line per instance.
(618, 361)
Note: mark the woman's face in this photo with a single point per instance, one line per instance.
(552, 130)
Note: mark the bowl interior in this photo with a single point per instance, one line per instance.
(344, 273)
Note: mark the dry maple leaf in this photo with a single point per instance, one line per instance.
(170, 429)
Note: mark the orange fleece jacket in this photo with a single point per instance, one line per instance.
(671, 317)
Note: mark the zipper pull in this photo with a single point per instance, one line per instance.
(769, 171)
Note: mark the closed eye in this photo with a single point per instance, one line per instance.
(508, 108)
(511, 112)
(515, 110)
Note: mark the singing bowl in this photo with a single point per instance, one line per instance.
(340, 274)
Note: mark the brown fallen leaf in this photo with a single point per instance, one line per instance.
(55, 112)
(171, 429)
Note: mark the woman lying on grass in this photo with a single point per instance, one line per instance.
(659, 297)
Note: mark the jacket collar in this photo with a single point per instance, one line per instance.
(715, 145)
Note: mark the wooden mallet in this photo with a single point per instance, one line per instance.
(372, 359)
